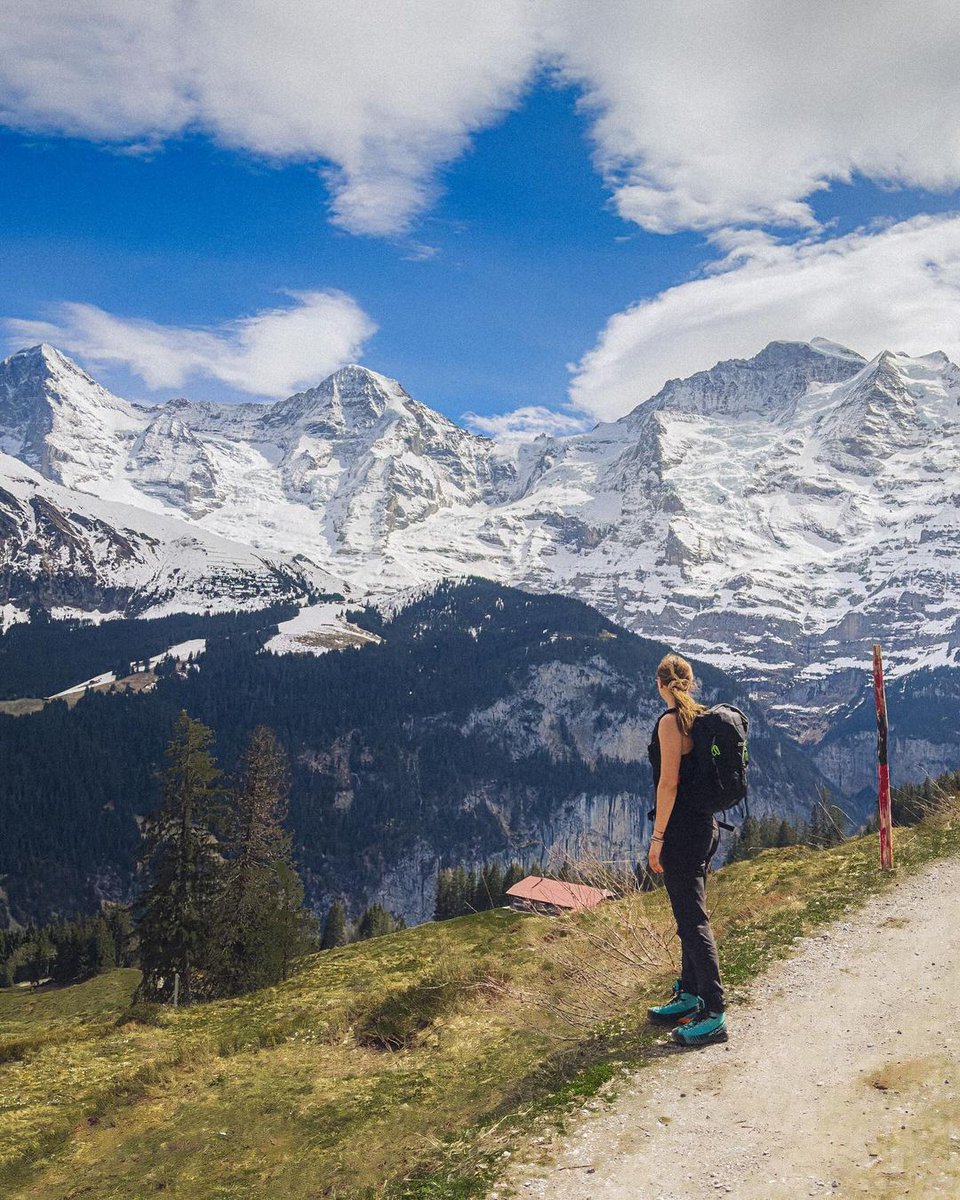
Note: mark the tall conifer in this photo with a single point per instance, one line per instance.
(375, 921)
(265, 925)
(335, 929)
(182, 864)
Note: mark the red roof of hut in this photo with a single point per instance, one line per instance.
(558, 892)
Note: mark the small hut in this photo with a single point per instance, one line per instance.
(551, 896)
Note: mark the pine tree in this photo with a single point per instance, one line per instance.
(826, 822)
(836, 825)
(441, 908)
(493, 886)
(166, 668)
(102, 952)
(121, 928)
(335, 929)
(70, 941)
(265, 925)
(182, 863)
(41, 957)
(476, 901)
(745, 842)
(374, 922)
(459, 892)
(514, 874)
(294, 926)
(786, 834)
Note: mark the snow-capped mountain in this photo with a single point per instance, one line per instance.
(773, 515)
(69, 551)
(772, 530)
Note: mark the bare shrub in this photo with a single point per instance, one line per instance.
(596, 958)
(941, 802)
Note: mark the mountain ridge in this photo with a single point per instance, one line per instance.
(773, 514)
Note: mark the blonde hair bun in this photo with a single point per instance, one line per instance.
(676, 676)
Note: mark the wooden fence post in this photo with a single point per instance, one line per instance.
(883, 768)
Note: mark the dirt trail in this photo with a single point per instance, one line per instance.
(841, 1077)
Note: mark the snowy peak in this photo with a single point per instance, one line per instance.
(375, 461)
(766, 385)
(44, 359)
(351, 399)
(333, 469)
(61, 548)
(774, 513)
(171, 463)
(58, 419)
(825, 346)
(895, 402)
(43, 374)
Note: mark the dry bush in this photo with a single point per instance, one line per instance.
(942, 808)
(596, 959)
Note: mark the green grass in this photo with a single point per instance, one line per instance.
(49, 1016)
(405, 1067)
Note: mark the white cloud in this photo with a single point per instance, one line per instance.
(378, 94)
(704, 116)
(524, 424)
(895, 288)
(733, 112)
(272, 353)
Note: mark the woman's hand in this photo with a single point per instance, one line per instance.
(654, 856)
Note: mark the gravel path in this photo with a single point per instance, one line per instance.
(841, 1077)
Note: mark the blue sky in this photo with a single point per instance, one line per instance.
(527, 277)
(529, 257)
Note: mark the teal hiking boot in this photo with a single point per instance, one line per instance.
(701, 1030)
(683, 1005)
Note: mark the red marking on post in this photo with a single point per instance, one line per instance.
(883, 768)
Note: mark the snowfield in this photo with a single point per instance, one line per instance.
(317, 629)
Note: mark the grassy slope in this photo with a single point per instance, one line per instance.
(289, 1093)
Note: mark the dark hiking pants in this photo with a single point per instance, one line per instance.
(684, 858)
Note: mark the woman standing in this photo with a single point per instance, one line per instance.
(684, 841)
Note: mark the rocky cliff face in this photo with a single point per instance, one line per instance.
(549, 729)
(589, 827)
(922, 707)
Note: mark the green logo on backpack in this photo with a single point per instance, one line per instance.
(720, 755)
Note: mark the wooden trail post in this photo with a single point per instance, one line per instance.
(883, 768)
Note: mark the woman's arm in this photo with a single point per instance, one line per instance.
(668, 733)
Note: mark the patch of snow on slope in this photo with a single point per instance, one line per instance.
(96, 681)
(11, 615)
(182, 651)
(317, 629)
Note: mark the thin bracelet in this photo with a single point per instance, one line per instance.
(656, 837)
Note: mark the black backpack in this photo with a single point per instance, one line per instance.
(721, 756)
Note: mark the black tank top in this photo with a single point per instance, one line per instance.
(687, 768)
